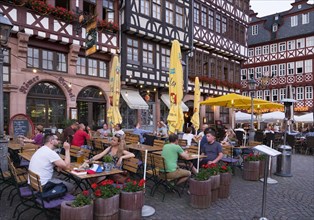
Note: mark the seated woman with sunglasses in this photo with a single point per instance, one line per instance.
(117, 152)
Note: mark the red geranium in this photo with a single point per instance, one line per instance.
(105, 189)
(133, 185)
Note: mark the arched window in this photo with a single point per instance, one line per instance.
(46, 105)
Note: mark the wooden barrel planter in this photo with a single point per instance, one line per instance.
(200, 193)
(251, 170)
(77, 213)
(215, 180)
(107, 209)
(261, 168)
(131, 204)
(224, 188)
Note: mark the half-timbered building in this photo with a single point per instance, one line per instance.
(148, 28)
(46, 73)
(281, 53)
(219, 48)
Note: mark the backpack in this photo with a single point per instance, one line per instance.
(53, 191)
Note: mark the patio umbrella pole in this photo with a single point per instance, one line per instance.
(146, 209)
(198, 155)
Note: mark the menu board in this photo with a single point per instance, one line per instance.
(20, 127)
(21, 124)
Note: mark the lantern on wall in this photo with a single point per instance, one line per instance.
(147, 97)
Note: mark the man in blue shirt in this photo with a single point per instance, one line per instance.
(137, 130)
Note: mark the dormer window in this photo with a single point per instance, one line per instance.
(275, 27)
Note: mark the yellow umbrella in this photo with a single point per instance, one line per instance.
(197, 96)
(262, 107)
(231, 100)
(114, 116)
(175, 118)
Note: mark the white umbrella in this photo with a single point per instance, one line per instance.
(307, 118)
(273, 116)
(243, 117)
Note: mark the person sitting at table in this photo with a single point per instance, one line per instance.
(310, 133)
(68, 133)
(170, 153)
(45, 158)
(81, 136)
(201, 133)
(188, 136)
(162, 130)
(118, 130)
(140, 132)
(118, 153)
(104, 131)
(229, 137)
(212, 149)
(269, 129)
(38, 138)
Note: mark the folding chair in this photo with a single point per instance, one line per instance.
(39, 203)
(183, 142)
(162, 179)
(23, 190)
(159, 143)
(228, 157)
(98, 146)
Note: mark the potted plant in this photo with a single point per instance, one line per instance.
(80, 208)
(108, 163)
(132, 199)
(225, 180)
(251, 167)
(106, 205)
(200, 189)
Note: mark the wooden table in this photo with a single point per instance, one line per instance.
(87, 176)
(144, 147)
(27, 155)
(192, 156)
(14, 146)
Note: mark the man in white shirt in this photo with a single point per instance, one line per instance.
(45, 158)
(118, 130)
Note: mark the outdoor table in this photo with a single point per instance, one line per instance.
(192, 156)
(87, 176)
(14, 146)
(144, 147)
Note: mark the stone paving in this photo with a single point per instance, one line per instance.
(292, 198)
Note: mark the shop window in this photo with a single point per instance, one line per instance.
(224, 115)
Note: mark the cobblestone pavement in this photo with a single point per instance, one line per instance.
(291, 198)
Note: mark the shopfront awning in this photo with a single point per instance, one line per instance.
(133, 99)
(165, 98)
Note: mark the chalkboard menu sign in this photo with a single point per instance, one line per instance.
(21, 124)
(20, 127)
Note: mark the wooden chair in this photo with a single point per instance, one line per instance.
(193, 149)
(159, 168)
(75, 151)
(131, 165)
(159, 143)
(183, 142)
(228, 157)
(98, 146)
(21, 187)
(39, 203)
(131, 138)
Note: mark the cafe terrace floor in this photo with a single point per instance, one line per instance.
(291, 198)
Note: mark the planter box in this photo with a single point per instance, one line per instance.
(200, 193)
(131, 204)
(225, 182)
(251, 170)
(107, 209)
(77, 213)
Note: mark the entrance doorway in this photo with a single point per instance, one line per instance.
(91, 105)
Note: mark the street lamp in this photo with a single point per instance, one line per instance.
(5, 28)
(252, 86)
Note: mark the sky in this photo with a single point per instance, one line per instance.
(267, 7)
